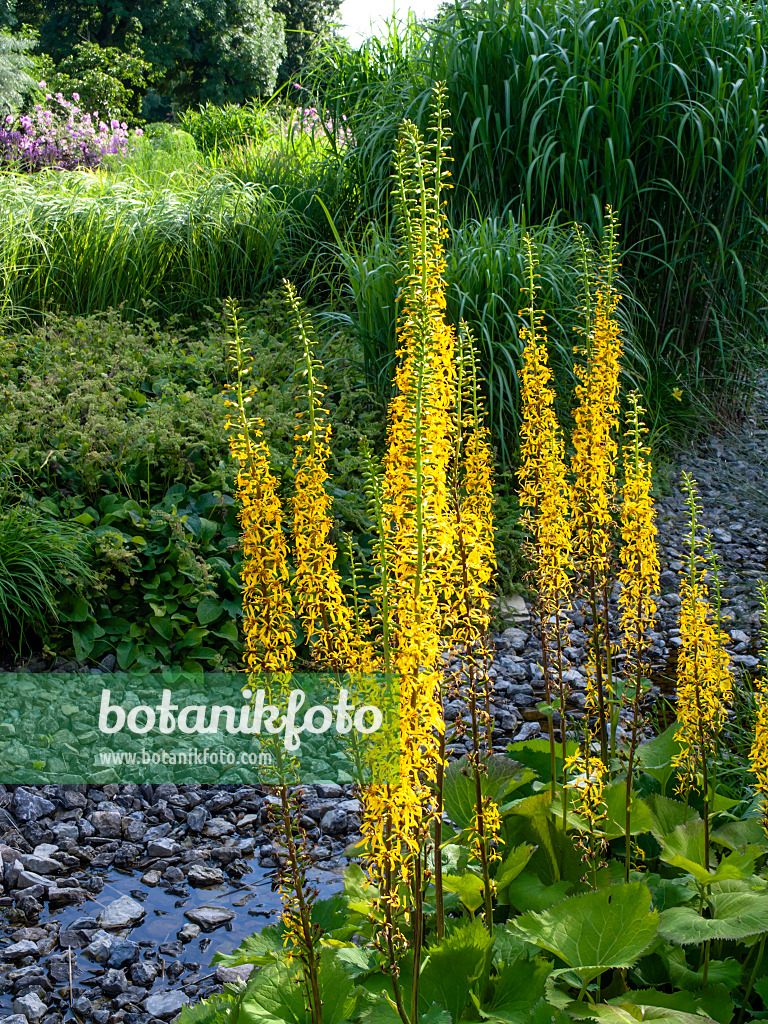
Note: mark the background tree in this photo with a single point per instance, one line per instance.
(307, 24)
(201, 50)
(15, 65)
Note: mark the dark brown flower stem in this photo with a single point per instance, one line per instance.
(439, 897)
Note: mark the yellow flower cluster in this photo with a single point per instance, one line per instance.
(267, 605)
(704, 683)
(586, 774)
(543, 492)
(639, 573)
(325, 615)
(759, 753)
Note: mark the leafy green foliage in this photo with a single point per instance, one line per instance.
(15, 66)
(202, 51)
(106, 79)
(591, 933)
(135, 458)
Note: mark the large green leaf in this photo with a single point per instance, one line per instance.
(597, 930)
(274, 993)
(630, 1013)
(684, 848)
(499, 777)
(512, 865)
(529, 821)
(735, 915)
(535, 754)
(655, 756)
(736, 835)
(468, 887)
(454, 966)
(259, 948)
(667, 814)
(515, 991)
(528, 892)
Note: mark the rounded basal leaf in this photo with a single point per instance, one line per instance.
(596, 931)
(734, 915)
(684, 848)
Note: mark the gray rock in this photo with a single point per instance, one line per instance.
(165, 1004)
(121, 913)
(516, 639)
(114, 982)
(197, 818)
(188, 931)
(143, 973)
(30, 1006)
(209, 917)
(231, 974)
(17, 950)
(203, 874)
(99, 947)
(29, 806)
(107, 823)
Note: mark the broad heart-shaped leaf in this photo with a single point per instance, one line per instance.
(735, 915)
(655, 756)
(462, 960)
(535, 754)
(468, 887)
(528, 892)
(529, 821)
(500, 777)
(512, 865)
(684, 848)
(631, 1013)
(713, 1004)
(735, 835)
(274, 993)
(597, 930)
(515, 991)
(260, 948)
(667, 814)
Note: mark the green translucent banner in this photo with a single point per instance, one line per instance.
(208, 729)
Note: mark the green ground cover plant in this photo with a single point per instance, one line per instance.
(114, 433)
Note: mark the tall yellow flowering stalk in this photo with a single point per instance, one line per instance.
(467, 600)
(639, 578)
(414, 508)
(267, 605)
(320, 603)
(268, 618)
(544, 498)
(594, 463)
(758, 755)
(704, 683)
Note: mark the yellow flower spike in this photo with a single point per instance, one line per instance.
(759, 753)
(267, 605)
(544, 496)
(324, 613)
(639, 578)
(704, 682)
(595, 452)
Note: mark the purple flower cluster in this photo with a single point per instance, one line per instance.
(309, 121)
(61, 135)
